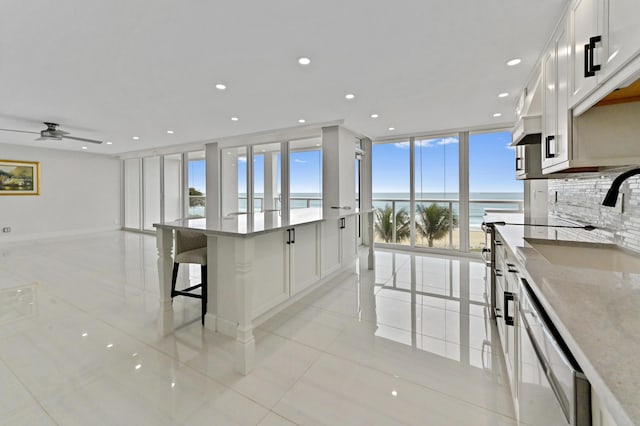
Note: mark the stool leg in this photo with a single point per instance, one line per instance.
(203, 272)
(174, 278)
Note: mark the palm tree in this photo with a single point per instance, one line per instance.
(384, 224)
(434, 222)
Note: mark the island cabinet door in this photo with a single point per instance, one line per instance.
(349, 238)
(330, 234)
(270, 271)
(304, 249)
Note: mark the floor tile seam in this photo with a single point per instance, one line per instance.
(424, 335)
(423, 305)
(28, 390)
(418, 384)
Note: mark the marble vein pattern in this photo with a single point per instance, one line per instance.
(409, 343)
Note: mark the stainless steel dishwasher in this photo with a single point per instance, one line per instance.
(552, 389)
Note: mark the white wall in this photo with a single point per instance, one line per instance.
(79, 193)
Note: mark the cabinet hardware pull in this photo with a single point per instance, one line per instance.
(592, 46)
(587, 55)
(508, 296)
(547, 147)
(343, 223)
(288, 236)
(293, 231)
(518, 164)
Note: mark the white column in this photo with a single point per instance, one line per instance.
(229, 182)
(270, 180)
(164, 242)
(366, 198)
(245, 342)
(463, 190)
(212, 162)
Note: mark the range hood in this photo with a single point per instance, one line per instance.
(528, 130)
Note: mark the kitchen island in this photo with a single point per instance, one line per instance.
(258, 264)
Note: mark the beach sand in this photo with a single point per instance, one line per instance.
(476, 240)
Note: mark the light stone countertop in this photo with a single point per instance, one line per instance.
(244, 224)
(597, 313)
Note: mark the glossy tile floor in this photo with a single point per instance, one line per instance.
(407, 344)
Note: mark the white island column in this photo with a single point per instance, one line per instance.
(164, 242)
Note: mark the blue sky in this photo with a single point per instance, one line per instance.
(491, 167)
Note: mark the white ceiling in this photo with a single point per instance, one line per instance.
(116, 69)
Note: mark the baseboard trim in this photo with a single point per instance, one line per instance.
(43, 236)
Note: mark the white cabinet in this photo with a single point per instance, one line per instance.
(507, 288)
(622, 35)
(587, 26)
(348, 239)
(528, 161)
(303, 256)
(605, 37)
(556, 120)
(339, 243)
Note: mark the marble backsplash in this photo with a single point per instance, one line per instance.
(580, 199)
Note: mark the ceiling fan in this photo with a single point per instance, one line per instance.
(52, 133)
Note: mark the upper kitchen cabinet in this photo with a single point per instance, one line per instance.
(556, 130)
(605, 38)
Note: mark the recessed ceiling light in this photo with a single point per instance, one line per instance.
(304, 61)
(349, 96)
(503, 95)
(514, 61)
(497, 114)
(170, 132)
(109, 143)
(391, 129)
(234, 119)
(302, 120)
(84, 147)
(220, 86)
(374, 116)
(135, 138)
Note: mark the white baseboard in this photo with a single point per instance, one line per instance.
(5, 238)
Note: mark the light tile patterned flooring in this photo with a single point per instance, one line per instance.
(408, 344)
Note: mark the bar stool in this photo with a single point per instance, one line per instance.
(191, 247)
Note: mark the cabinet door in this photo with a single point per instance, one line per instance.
(563, 124)
(623, 35)
(520, 160)
(271, 265)
(304, 265)
(330, 245)
(584, 16)
(549, 104)
(348, 240)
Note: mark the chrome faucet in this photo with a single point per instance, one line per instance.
(612, 194)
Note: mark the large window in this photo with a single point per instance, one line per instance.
(305, 174)
(391, 192)
(428, 212)
(197, 183)
(436, 188)
(266, 177)
(151, 190)
(492, 183)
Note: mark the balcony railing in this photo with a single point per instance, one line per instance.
(452, 206)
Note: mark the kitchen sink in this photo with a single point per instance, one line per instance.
(607, 257)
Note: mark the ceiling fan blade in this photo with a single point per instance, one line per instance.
(20, 131)
(82, 139)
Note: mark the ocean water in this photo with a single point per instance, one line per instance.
(479, 201)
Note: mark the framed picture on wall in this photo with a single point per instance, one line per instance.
(19, 177)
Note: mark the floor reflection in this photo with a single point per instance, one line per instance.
(436, 304)
(18, 303)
